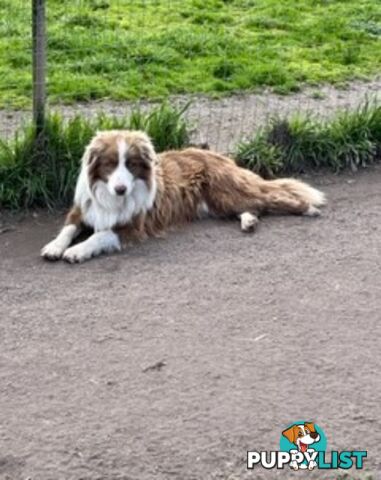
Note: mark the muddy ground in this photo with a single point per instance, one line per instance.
(172, 359)
(224, 122)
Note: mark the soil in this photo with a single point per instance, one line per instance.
(172, 359)
(222, 123)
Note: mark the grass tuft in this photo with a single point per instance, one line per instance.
(291, 146)
(41, 171)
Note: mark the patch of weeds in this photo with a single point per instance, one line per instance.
(317, 95)
(285, 146)
(350, 55)
(265, 23)
(224, 70)
(83, 20)
(99, 4)
(369, 27)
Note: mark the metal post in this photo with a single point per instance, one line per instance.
(39, 62)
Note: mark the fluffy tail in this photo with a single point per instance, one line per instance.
(294, 196)
(301, 191)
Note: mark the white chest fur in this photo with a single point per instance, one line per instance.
(103, 211)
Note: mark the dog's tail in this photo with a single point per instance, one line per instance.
(301, 190)
(295, 196)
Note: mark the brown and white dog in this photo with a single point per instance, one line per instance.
(303, 436)
(125, 190)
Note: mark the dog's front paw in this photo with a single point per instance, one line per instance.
(294, 465)
(312, 464)
(52, 251)
(76, 254)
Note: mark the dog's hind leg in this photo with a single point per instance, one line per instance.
(249, 221)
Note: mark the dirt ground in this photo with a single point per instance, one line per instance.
(224, 122)
(172, 359)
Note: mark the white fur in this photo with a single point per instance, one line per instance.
(203, 210)
(248, 221)
(101, 208)
(311, 195)
(312, 212)
(314, 196)
(121, 176)
(56, 247)
(100, 242)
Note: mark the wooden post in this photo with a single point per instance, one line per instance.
(39, 62)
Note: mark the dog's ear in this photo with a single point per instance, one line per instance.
(92, 156)
(310, 426)
(141, 157)
(94, 149)
(290, 434)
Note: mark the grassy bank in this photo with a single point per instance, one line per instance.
(122, 49)
(41, 171)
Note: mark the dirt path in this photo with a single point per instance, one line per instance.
(222, 123)
(243, 335)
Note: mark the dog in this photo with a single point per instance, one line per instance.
(125, 191)
(302, 436)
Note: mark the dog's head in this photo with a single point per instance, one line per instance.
(302, 435)
(118, 160)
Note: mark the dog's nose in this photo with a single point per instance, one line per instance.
(314, 435)
(120, 189)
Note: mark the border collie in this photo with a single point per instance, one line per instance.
(125, 190)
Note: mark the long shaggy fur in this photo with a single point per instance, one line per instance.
(125, 190)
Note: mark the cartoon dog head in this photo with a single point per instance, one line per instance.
(302, 435)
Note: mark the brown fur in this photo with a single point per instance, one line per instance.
(103, 159)
(189, 177)
(74, 217)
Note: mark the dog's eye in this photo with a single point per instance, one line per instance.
(131, 162)
(136, 164)
(107, 165)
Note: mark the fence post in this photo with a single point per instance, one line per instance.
(39, 62)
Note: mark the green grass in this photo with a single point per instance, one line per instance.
(41, 170)
(290, 146)
(123, 49)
